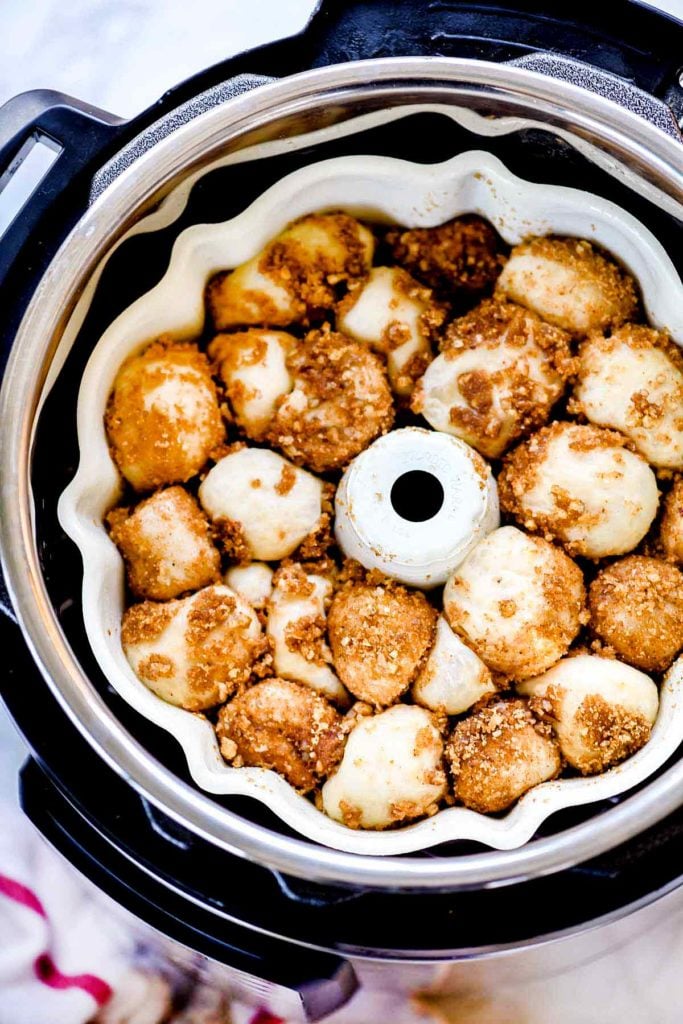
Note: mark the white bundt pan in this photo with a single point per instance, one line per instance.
(379, 189)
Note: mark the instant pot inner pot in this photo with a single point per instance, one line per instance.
(139, 263)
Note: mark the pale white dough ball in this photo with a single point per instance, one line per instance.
(194, 652)
(601, 709)
(453, 677)
(517, 601)
(581, 485)
(633, 381)
(395, 315)
(297, 625)
(253, 582)
(499, 374)
(274, 503)
(568, 283)
(253, 367)
(391, 770)
(294, 275)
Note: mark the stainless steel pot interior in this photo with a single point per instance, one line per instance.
(285, 108)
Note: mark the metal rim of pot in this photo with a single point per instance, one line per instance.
(647, 150)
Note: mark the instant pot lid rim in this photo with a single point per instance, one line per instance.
(48, 646)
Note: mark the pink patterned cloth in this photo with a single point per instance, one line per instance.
(59, 961)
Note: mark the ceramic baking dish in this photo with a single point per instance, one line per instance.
(378, 189)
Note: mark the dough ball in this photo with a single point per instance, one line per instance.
(601, 710)
(461, 257)
(253, 366)
(517, 601)
(196, 651)
(453, 678)
(568, 283)
(581, 485)
(263, 505)
(163, 419)
(671, 528)
(501, 371)
(636, 607)
(297, 625)
(498, 753)
(396, 316)
(341, 401)
(295, 276)
(391, 771)
(253, 582)
(633, 381)
(280, 725)
(166, 545)
(380, 635)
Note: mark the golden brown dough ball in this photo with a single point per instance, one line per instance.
(295, 277)
(671, 528)
(163, 419)
(581, 485)
(340, 402)
(380, 635)
(636, 607)
(632, 381)
(568, 283)
(253, 366)
(602, 710)
(196, 651)
(281, 725)
(460, 257)
(391, 771)
(166, 545)
(499, 374)
(498, 753)
(517, 601)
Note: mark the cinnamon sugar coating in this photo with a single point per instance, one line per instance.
(500, 372)
(284, 726)
(461, 256)
(498, 753)
(163, 420)
(580, 484)
(166, 545)
(340, 402)
(296, 276)
(569, 283)
(636, 607)
(380, 634)
(671, 527)
(196, 651)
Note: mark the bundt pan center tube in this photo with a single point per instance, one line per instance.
(639, 153)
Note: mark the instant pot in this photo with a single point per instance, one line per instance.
(584, 95)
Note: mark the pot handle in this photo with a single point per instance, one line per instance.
(75, 131)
